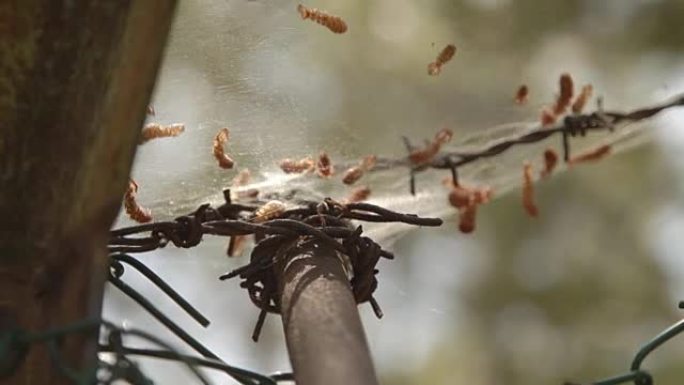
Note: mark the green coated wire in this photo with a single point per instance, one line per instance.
(636, 375)
(13, 340)
(206, 362)
(660, 339)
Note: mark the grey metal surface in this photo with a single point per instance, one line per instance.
(325, 338)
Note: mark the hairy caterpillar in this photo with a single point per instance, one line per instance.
(522, 94)
(271, 209)
(582, 99)
(324, 166)
(355, 173)
(290, 166)
(467, 216)
(592, 155)
(359, 194)
(156, 130)
(528, 191)
(133, 209)
(566, 94)
(444, 56)
(550, 161)
(333, 23)
(547, 117)
(221, 138)
(425, 155)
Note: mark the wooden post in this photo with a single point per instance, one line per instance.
(325, 337)
(75, 79)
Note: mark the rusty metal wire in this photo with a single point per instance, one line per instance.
(118, 270)
(210, 359)
(570, 127)
(327, 221)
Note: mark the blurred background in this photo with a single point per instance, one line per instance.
(570, 295)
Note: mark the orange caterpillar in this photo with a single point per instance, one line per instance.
(521, 95)
(550, 161)
(236, 245)
(242, 178)
(324, 166)
(290, 166)
(355, 173)
(466, 221)
(528, 191)
(133, 209)
(592, 155)
(271, 209)
(547, 117)
(466, 200)
(445, 56)
(334, 23)
(461, 197)
(550, 114)
(425, 155)
(566, 93)
(221, 138)
(359, 194)
(369, 161)
(156, 130)
(582, 99)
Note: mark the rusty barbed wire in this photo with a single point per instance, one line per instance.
(327, 221)
(571, 126)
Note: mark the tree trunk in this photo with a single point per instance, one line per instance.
(75, 78)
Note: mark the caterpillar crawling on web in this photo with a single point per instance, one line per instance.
(444, 56)
(333, 23)
(221, 138)
(131, 206)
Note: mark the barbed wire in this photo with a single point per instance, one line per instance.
(327, 221)
(570, 126)
(635, 374)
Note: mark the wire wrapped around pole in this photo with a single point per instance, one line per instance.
(323, 331)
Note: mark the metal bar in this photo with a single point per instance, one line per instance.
(163, 286)
(323, 331)
(652, 345)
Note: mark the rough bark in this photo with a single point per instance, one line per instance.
(75, 78)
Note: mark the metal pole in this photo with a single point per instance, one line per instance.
(325, 338)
